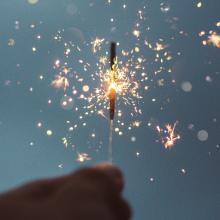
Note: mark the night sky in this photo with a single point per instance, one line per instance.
(54, 107)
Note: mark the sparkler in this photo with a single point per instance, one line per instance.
(120, 79)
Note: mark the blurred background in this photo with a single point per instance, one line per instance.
(54, 54)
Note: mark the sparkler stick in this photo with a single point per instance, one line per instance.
(112, 94)
(112, 90)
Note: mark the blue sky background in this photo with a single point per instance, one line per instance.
(181, 183)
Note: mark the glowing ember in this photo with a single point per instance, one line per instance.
(60, 82)
(96, 44)
(168, 135)
(214, 39)
(82, 157)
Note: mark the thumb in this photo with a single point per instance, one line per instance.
(113, 172)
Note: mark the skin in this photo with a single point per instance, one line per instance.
(87, 194)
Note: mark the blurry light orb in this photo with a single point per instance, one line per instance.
(74, 33)
(67, 102)
(71, 9)
(93, 135)
(113, 29)
(186, 86)
(203, 135)
(39, 124)
(191, 126)
(183, 171)
(137, 49)
(34, 49)
(152, 179)
(49, 132)
(199, 4)
(208, 78)
(119, 114)
(116, 129)
(11, 42)
(85, 88)
(32, 2)
(133, 139)
(74, 92)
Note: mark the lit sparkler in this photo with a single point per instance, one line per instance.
(122, 83)
(112, 94)
(119, 80)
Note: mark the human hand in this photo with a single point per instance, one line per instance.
(87, 194)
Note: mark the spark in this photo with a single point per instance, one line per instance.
(160, 47)
(65, 142)
(202, 33)
(101, 112)
(103, 60)
(168, 135)
(57, 63)
(82, 157)
(124, 6)
(93, 135)
(136, 33)
(136, 124)
(140, 13)
(183, 171)
(214, 39)
(60, 82)
(137, 154)
(60, 166)
(151, 179)
(199, 4)
(11, 42)
(96, 44)
(85, 88)
(39, 124)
